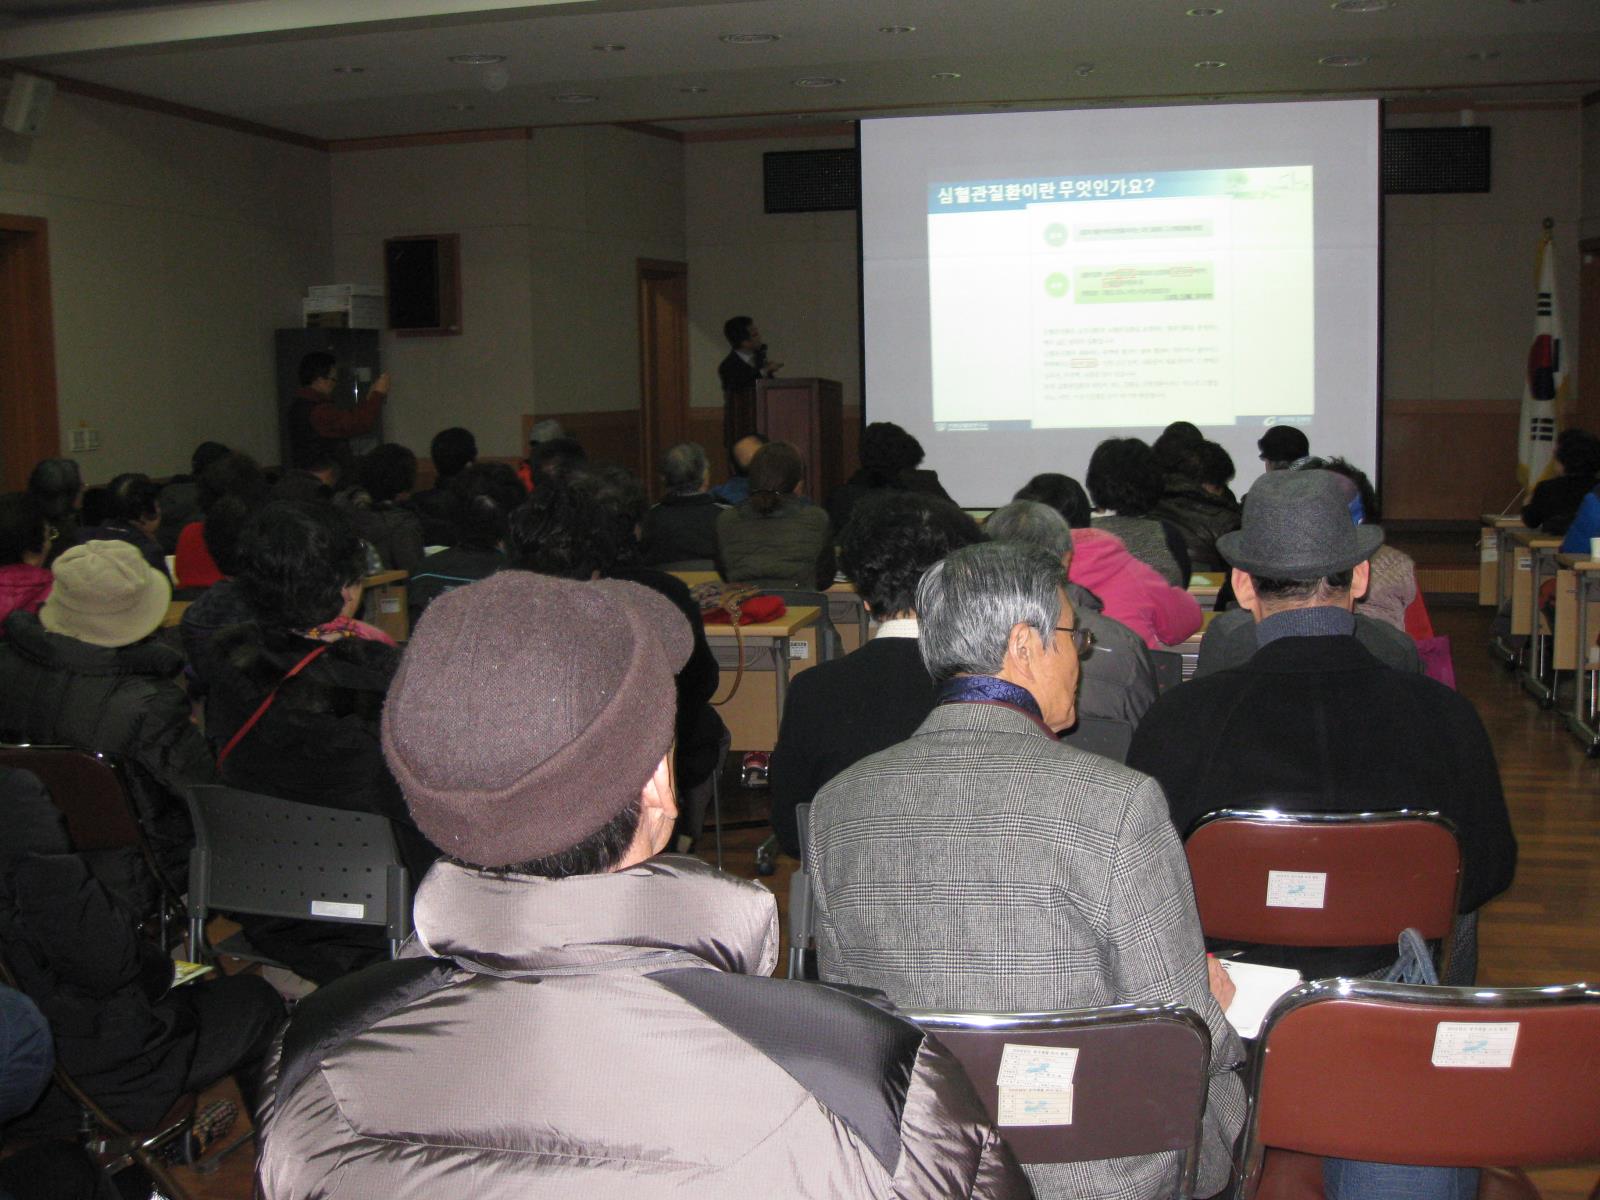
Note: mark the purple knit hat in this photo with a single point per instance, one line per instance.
(528, 711)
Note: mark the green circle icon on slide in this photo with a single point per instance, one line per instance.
(1055, 285)
(1055, 234)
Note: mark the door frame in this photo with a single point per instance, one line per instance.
(663, 413)
(30, 425)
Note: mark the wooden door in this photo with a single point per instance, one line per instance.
(29, 428)
(663, 362)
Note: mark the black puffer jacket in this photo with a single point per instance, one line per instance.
(125, 701)
(1201, 517)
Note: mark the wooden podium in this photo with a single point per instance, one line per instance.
(806, 413)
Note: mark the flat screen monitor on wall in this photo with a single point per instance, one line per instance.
(1034, 283)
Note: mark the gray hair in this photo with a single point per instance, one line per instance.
(1029, 523)
(683, 468)
(969, 602)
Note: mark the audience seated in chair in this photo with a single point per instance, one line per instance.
(86, 672)
(583, 529)
(1314, 722)
(839, 712)
(486, 494)
(223, 604)
(682, 526)
(736, 488)
(132, 514)
(127, 1037)
(983, 865)
(452, 450)
(890, 458)
(384, 478)
(776, 539)
(232, 475)
(1197, 501)
(57, 487)
(1118, 680)
(180, 495)
(609, 1029)
(1555, 502)
(1125, 484)
(326, 676)
(24, 546)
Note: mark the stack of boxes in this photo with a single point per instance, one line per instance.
(343, 306)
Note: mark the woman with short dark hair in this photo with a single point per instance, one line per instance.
(775, 538)
(1125, 484)
(890, 461)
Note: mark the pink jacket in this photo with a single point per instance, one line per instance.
(1131, 590)
(23, 588)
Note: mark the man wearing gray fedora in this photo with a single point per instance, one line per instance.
(1312, 721)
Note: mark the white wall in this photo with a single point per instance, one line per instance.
(176, 249)
(1591, 171)
(795, 273)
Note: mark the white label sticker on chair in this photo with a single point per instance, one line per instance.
(337, 908)
(389, 604)
(799, 649)
(1037, 1068)
(1475, 1043)
(1021, 1106)
(1296, 889)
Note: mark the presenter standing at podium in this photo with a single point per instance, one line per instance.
(745, 365)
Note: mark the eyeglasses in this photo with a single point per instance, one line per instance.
(1082, 639)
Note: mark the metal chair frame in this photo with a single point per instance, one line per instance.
(1084, 1027)
(802, 907)
(1470, 1002)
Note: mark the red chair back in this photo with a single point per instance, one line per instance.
(89, 790)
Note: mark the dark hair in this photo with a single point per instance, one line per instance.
(737, 329)
(96, 508)
(1123, 477)
(452, 450)
(489, 493)
(1303, 589)
(887, 450)
(23, 527)
(1211, 464)
(232, 475)
(1578, 452)
(564, 530)
(132, 496)
(294, 559)
(622, 497)
(1370, 513)
(1172, 446)
(1060, 492)
(775, 471)
(224, 525)
(315, 365)
(204, 455)
(553, 461)
(595, 855)
(892, 538)
(386, 471)
(55, 483)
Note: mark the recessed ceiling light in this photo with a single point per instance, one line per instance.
(1203, 12)
(897, 28)
(608, 47)
(477, 60)
(1209, 64)
(574, 98)
(348, 70)
(1083, 70)
(694, 90)
(1483, 55)
(1360, 6)
(945, 75)
(749, 39)
(1345, 60)
(818, 81)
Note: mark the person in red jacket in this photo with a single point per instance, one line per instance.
(24, 544)
(318, 426)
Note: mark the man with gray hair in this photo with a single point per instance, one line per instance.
(982, 865)
(1119, 677)
(681, 530)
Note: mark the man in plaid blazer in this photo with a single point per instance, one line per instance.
(982, 865)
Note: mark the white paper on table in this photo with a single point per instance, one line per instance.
(1037, 1068)
(1023, 1106)
(1475, 1043)
(1257, 989)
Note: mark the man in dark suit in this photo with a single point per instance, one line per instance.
(745, 365)
(983, 865)
(839, 712)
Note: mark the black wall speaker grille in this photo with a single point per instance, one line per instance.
(1431, 161)
(811, 181)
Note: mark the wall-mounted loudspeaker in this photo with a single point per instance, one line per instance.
(27, 102)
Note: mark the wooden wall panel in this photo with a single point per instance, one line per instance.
(1448, 459)
(611, 437)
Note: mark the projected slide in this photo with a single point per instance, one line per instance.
(1127, 300)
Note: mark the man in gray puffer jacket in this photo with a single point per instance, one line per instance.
(577, 1016)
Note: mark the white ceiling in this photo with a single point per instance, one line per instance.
(273, 61)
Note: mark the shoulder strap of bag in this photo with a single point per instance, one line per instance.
(267, 703)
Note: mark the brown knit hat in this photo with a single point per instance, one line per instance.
(528, 711)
